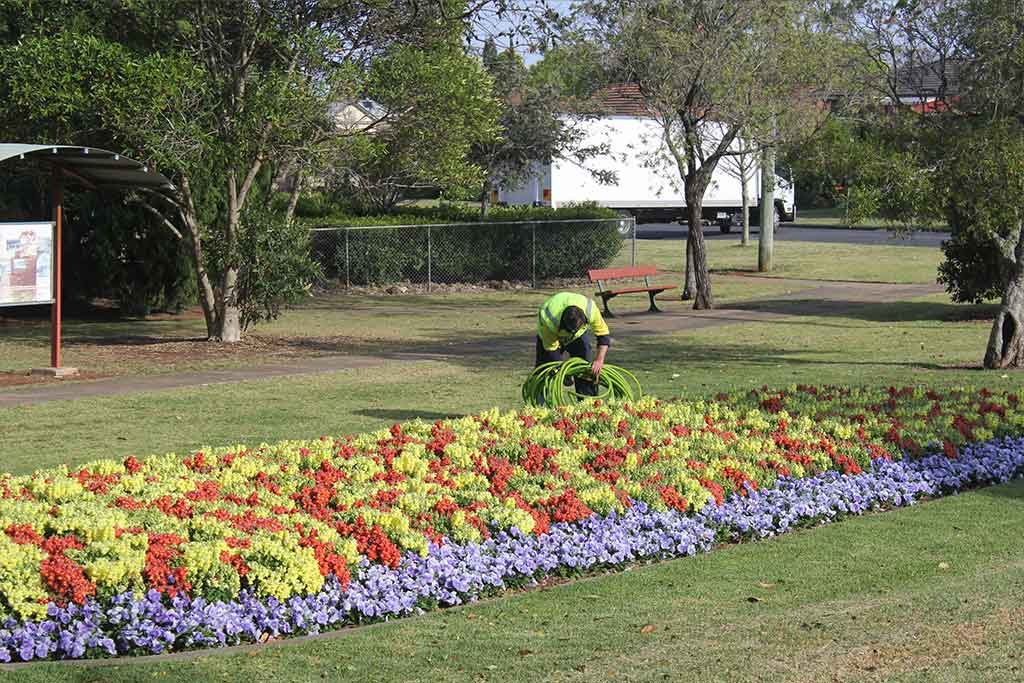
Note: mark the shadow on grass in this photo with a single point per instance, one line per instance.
(1011, 491)
(403, 415)
(879, 312)
(669, 351)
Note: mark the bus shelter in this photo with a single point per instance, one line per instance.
(30, 251)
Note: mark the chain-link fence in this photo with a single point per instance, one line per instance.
(521, 251)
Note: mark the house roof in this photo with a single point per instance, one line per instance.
(622, 99)
(940, 78)
(98, 167)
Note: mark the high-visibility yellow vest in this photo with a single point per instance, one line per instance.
(550, 316)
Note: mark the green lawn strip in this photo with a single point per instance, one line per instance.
(836, 218)
(180, 420)
(927, 593)
(360, 323)
(809, 260)
(904, 343)
(336, 323)
(874, 348)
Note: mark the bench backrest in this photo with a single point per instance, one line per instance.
(627, 272)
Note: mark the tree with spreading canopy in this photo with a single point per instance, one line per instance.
(709, 70)
(215, 95)
(432, 106)
(948, 143)
(543, 116)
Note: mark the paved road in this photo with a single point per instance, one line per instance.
(792, 233)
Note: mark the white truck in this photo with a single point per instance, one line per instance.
(648, 186)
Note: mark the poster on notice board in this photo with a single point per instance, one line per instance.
(26, 263)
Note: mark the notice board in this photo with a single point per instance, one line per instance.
(26, 263)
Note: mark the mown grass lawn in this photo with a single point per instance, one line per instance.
(340, 322)
(331, 323)
(893, 344)
(931, 593)
(807, 260)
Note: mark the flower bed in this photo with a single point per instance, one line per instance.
(236, 544)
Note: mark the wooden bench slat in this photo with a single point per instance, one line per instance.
(615, 273)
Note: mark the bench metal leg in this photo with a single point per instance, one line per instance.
(654, 308)
(607, 311)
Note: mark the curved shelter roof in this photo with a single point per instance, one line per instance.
(97, 167)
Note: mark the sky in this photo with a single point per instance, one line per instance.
(505, 35)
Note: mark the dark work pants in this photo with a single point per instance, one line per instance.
(578, 348)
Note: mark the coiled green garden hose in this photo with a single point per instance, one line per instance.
(546, 384)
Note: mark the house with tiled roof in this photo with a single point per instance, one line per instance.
(932, 86)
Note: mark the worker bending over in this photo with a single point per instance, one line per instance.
(569, 322)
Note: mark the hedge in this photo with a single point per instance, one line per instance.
(501, 247)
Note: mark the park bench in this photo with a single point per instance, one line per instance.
(602, 277)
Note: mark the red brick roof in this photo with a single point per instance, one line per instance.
(623, 99)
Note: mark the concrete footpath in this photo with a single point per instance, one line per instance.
(827, 298)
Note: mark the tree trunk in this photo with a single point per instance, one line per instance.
(745, 239)
(231, 316)
(689, 281)
(485, 200)
(283, 179)
(766, 236)
(293, 200)
(193, 229)
(1006, 341)
(702, 298)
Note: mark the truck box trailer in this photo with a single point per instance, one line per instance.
(647, 184)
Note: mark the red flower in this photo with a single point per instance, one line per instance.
(670, 496)
(23, 534)
(714, 489)
(566, 507)
(159, 570)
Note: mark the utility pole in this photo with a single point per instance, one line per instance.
(766, 236)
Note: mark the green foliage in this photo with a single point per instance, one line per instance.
(832, 161)
(981, 183)
(961, 162)
(435, 105)
(973, 269)
(571, 249)
(213, 93)
(540, 111)
(337, 216)
(276, 269)
(122, 253)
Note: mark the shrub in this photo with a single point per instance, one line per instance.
(277, 269)
(973, 270)
(122, 253)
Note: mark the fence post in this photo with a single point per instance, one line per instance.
(533, 268)
(430, 256)
(348, 280)
(632, 258)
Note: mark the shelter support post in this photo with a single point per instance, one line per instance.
(58, 241)
(56, 369)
